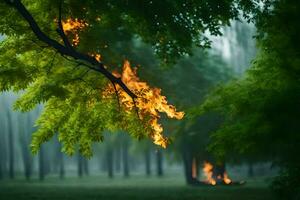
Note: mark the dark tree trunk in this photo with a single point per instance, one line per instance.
(148, 161)
(80, 165)
(27, 160)
(109, 161)
(2, 151)
(41, 163)
(1, 167)
(24, 140)
(61, 162)
(159, 163)
(125, 158)
(118, 159)
(47, 164)
(103, 163)
(188, 162)
(11, 146)
(86, 166)
(61, 166)
(250, 170)
(2, 161)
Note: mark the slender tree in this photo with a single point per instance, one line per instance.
(125, 156)
(60, 160)
(159, 163)
(110, 161)
(11, 145)
(42, 170)
(86, 169)
(147, 156)
(24, 135)
(79, 165)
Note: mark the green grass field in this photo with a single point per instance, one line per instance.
(136, 187)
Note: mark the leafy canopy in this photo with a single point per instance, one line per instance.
(70, 92)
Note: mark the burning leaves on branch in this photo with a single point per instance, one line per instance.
(149, 102)
(73, 26)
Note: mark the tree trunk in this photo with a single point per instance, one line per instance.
(80, 166)
(47, 164)
(2, 150)
(86, 166)
(118, 159)
(62, 166)
(61, 162)
(25, 132)
(41, 163)
(2, 161)
(250, 170)
(148, 161)
(188, 162)
(27, 160)
(159, 163)
(109, 161)
(125, 159)
(195, 169)
(11, 146)
(102, 163)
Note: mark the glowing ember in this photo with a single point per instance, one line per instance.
(208, 173)
(226, 179)
(150, 102)
(73, 26)
(96, 56)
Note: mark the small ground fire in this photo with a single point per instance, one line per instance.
(213, 177)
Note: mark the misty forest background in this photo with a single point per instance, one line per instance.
(121, 156)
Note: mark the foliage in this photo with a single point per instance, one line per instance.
(261, 109)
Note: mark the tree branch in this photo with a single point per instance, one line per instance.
(60, 28)
(65, 50)
(117, 95)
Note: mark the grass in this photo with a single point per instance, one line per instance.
(136, 187)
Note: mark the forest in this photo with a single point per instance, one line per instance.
(150, 99)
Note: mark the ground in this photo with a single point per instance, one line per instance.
(137, 187)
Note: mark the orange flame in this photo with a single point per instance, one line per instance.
(226, 179)
(73, 26)
(194, 168)
(150, 102)
(208, 173)
(96, 56)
